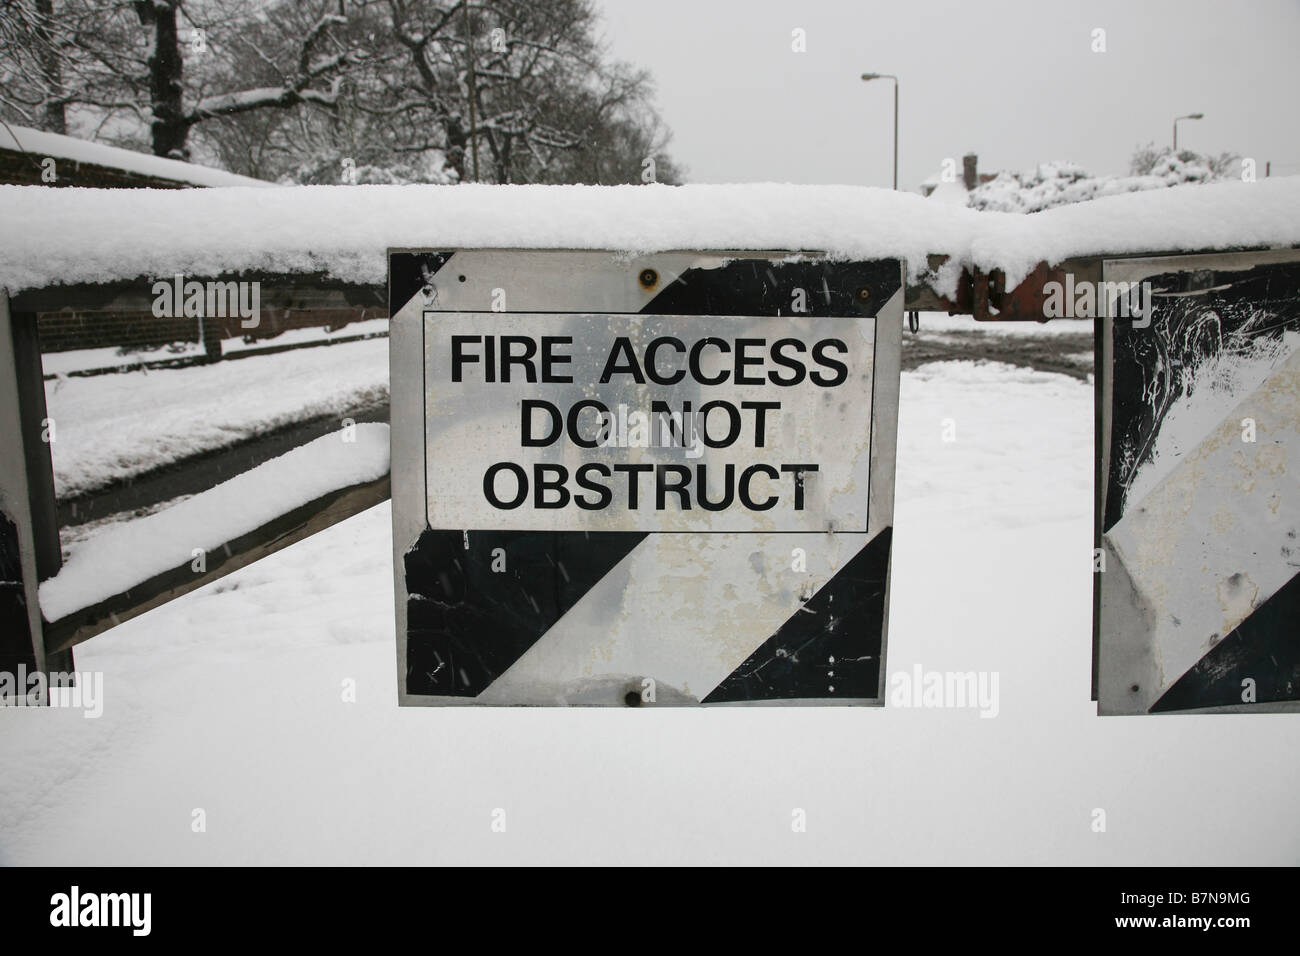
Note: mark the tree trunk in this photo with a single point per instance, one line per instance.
(165, 70)
(54, 116)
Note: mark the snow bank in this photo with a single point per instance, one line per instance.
(41, 144)
(136, 551)
(82, 235)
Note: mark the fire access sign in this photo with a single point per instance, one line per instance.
(654, 423)
(666, 480)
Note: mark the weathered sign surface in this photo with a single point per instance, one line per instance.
(661, 480)
(1198, 505)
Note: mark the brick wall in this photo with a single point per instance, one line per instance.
(24, 169)
(65, 331)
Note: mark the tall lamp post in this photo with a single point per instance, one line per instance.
(473, 94)
(1177, 118)
(868, 77)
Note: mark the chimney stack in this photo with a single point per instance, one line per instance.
(969, 171)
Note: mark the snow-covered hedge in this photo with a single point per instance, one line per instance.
(1060, 183)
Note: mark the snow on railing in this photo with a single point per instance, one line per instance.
(63, 237)
(125, 557)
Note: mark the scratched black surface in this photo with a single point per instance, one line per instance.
(762, 287)
(1203, 314)
(1265, 648)
(830, 647)
(408, 273)
(466, 624)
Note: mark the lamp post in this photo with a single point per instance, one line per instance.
(473, 93)
(868, 77)
(1177, 118)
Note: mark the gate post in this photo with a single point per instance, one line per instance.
(29, 533)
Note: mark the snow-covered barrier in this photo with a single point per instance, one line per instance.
(174, 519)
(326, 246)
(143, 563)
(70, 237)
(1198, 488)
(29, 534)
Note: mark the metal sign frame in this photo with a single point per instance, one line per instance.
(1179, 623)
(561, 284)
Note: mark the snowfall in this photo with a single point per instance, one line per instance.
(235, 700)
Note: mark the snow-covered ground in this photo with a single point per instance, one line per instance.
(112, 427)
(231, 700)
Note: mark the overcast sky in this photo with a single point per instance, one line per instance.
(1015, 81)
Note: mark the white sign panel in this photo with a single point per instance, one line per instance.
(648, 423)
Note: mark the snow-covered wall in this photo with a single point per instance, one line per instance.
(50, 237)
(40, 144)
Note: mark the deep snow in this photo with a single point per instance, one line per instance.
(231, 700)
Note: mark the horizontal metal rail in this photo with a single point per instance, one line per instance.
(275, 535)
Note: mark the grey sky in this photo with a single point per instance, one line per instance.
(1013, 80)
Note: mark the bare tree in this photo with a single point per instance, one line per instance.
(498, 90)
(523, 83)
(111, 58)
(31, 76)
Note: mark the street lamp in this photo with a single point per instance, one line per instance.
(868, 77)
(1177, 118)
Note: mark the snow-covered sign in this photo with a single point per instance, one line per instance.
(665, 479)
(1198, 504)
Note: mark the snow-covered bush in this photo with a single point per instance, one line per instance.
(1058, 183)
(429, 167)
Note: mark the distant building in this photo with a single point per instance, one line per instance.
(956, 190)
